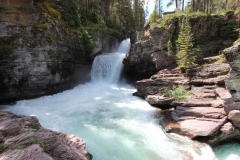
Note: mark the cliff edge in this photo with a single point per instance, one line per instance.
(39, 51)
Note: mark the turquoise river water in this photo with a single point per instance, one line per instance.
(114, 124)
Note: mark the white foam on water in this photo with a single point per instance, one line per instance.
(230, 151)
(114, 124)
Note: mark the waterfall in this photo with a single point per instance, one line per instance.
(108, 67)
(114, 124)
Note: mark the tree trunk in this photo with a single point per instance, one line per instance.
(207, 7)
(176, 2)
(210, 6)
(182, 5)
(226, 5)
(193, 5)
(204, 6)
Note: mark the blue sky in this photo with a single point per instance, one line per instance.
(164, 5)
(165, 9)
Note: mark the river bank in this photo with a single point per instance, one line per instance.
(210, 115)
(113, 123)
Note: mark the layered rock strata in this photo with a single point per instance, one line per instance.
(232, 104)
(202, 117)
(211, 115)
(23, 138)
(152, 50)
(38, 53)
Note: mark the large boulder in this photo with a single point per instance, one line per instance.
(23, 138)
(234, 116)
(147, 58)
(232, 104)
(196, 121)
(157, 100)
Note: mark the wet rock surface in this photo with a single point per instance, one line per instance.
(203, 117)
(23, 138)
(211, 115)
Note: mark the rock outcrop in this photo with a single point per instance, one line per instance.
(38, 52)
(23, 138)
(203, 116)
(147, 58)
(211, 115)
(232, 104)
(150, 52)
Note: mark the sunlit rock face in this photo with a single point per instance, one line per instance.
(232, 105)
(234, 116)
(203, 117)
(150, 52)
(233, 82)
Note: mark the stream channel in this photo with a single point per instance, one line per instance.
(114, 124)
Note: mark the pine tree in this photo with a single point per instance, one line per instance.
(188, 56)
(155, 16)
(139, 14)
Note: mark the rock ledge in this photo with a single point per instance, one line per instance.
(23, 138)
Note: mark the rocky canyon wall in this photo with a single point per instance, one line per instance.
(151, 53)
(37, 53)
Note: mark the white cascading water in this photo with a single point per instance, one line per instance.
(108, 67)
(114, 124)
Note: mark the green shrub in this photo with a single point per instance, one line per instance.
(222, 58)
(169, 45)
(51, 10)
(1, 146)
(86, 40)
(48, 9)
(14, 147)
(41, 26)
(154, 16)
(52, 53)
(6, 48)
(229, 30)
(51, 37)
(177, 92)
(40, 143)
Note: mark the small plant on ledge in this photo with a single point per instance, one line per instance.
(177, 92)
